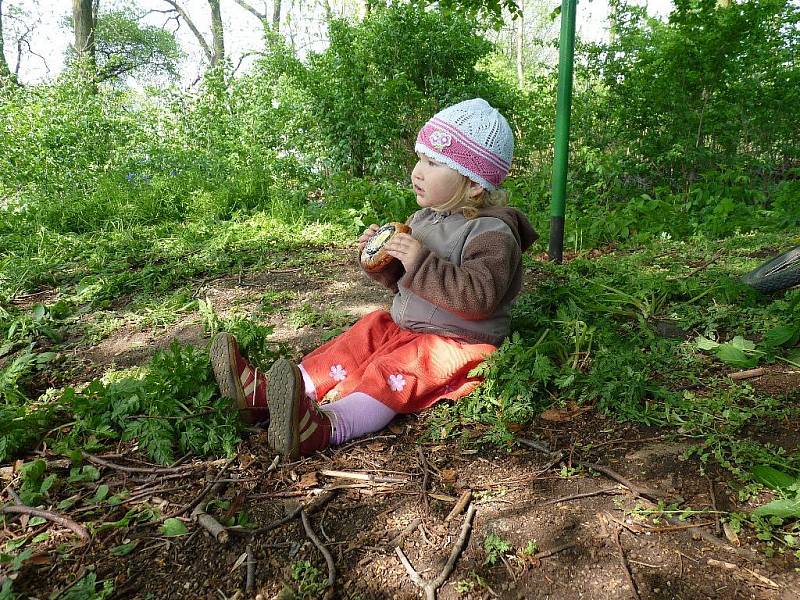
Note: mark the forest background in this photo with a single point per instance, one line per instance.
(118, 189)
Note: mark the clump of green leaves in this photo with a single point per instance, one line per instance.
(307, 581)
(173, 405)
(495, 547)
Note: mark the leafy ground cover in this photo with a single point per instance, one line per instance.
(624, 353)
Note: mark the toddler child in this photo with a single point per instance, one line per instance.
(454, 279)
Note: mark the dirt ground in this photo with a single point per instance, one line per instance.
(571, 532)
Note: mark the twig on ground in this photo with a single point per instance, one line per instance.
(218, 531)
(676, 527)
(624, 561)
(579, 496)
(425, 476)
(713, 497)
(737, 570)
(552, 551)
(76, 528)
(251, 571)
(400, 537)
(321, 547)
(203, 493)
(430, 587)
(650, 496)
(459, 507)
(702, 267)
(125, 469)
(748, 374)
(362, 476)
(310, 507)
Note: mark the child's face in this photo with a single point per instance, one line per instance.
(434, 183)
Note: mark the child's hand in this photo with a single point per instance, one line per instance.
(368, 233)
(404, 248)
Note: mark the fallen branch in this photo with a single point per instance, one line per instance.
(465, 499)
(251, 571)
(552, 551)
(425, 476)
(407, 530)
(748, 374)
(430, 587)
(362, 476)
(76, 528)
(310, 508)
(321, 547)
(650, 497)
(624, 561)
(579, 496)
(126, 469)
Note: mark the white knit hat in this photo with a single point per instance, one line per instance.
(471, 137)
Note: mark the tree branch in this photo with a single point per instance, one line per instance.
(185, 16)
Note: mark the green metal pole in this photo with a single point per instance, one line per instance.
(566, 58)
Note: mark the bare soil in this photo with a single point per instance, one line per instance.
(572, 550)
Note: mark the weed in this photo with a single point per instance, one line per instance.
(495, 547)
(308, 581)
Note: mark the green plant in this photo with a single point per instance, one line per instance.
(495, 547)
(308, 581)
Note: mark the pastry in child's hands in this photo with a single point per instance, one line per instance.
(374, 256)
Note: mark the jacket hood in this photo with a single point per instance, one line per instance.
(516, 220)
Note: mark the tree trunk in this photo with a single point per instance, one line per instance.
(83, 19)
(276, 16)
(520, 45)
(5, 72)
(217, 33)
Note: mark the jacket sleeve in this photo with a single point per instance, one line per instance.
(389, 276)
(474, 289)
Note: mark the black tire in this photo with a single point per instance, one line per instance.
(779, 273)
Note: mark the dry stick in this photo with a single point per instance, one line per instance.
(311, 507)
(430, 587)
(425, 476)
(641, 492)
(717, 524)
(624, 560)
(579, 496)
(251, 571)
(362, 476)
(748, 374)
(77, 528)
(407, 530)
(125, 469)
(203, 493)
(465, 499)
(552, 551)
(218, 531)
(704, 265)
(321, 547)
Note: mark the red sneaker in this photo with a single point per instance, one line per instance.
(238, 380)
(297, 427)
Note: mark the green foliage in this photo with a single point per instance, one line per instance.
(172, 406)
(495, 547)
(308, 581)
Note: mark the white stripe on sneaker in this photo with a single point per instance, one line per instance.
(304, 421)
(307, 433)
(245, 375)
(250, 389)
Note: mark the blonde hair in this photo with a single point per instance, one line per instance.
(469, 205)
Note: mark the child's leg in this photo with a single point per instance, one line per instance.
(355, 415)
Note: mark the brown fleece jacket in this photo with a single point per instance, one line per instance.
(466, 276)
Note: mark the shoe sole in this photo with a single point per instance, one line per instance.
(223, 362)
(284, 390)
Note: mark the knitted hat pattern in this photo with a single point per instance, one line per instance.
(471, 137)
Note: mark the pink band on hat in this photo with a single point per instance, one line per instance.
(470, 143)
(454, 145)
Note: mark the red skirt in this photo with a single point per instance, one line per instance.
(407, 371)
